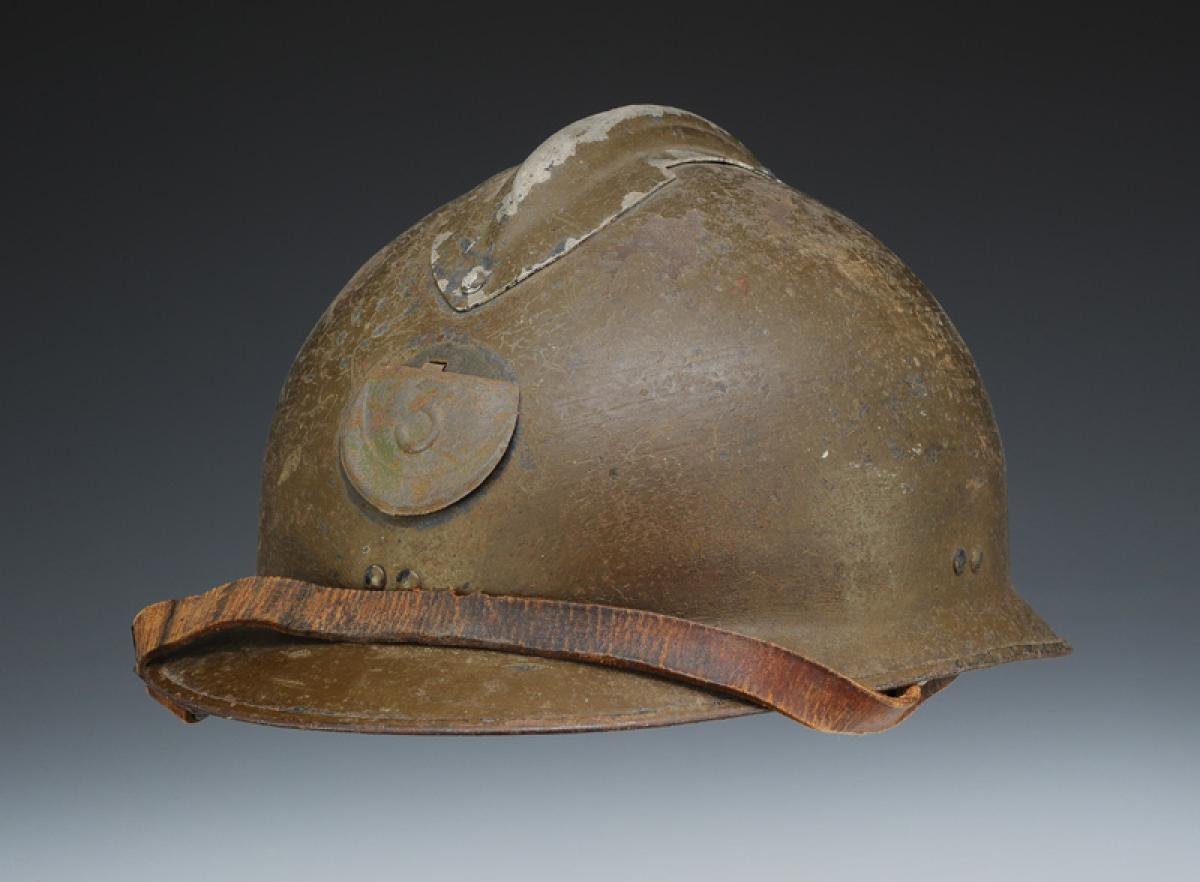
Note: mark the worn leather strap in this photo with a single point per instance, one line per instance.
(751, 669)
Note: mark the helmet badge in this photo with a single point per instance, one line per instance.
(416, 440)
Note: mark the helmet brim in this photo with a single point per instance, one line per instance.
(277, 679)
(408, 689)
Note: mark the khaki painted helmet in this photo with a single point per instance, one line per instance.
(632, 434)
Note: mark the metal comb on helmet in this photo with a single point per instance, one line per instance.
(632, 434)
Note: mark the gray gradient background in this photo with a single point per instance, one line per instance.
(184, 193)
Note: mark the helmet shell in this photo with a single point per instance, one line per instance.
(736, 406)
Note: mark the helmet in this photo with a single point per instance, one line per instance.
(629, 435)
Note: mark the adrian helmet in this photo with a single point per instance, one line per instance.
(629, 435)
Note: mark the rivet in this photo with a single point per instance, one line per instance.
(408, 580)
(960, 561)
(976, 560)
(375, 577)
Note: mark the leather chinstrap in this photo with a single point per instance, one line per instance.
(702, 655)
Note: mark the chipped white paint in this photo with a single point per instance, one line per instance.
(438, 241)
(289, 465)
(442, 283)
(632, 198)
(474, 280)
(484, 282)
(825, 455)
(477, 296)
(561, 146)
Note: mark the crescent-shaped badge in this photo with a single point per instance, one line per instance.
(416, 440)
